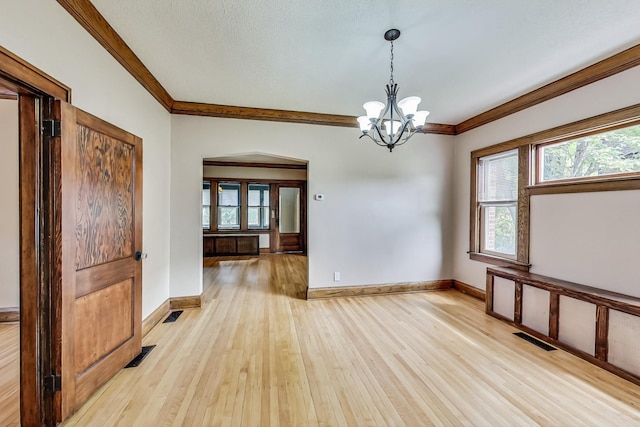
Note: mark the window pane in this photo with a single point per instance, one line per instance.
(498, 178)
(608, 153)
(265, 217)
(228, 217)
(254, 217)
(206, 217)
(265, 197)
(254, 197)
(228, 194)
(206, 193)
(499, 229)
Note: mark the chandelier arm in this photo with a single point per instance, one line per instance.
(374, 140)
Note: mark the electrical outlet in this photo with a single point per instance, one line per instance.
(336, 276)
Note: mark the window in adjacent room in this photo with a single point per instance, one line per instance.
(258, 206)
(206, 205)
(612, 153)
(497, 200)
(228, 205)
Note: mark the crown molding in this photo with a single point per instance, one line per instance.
(606, 68)
(90, 18)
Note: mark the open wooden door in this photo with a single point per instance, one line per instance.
(97, 279)
(291, 219)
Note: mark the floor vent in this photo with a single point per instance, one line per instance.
(535, 341)
(139, 358)
(173, 316)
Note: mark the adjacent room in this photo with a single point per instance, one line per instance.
(344, 213)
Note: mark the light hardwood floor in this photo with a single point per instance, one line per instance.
(9, 374)
(256, 354)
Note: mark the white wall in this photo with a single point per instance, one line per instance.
(44, 34)
(9, 208)
(550, 249)
(385, 217)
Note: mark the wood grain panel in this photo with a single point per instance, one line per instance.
(554, 315)
(88, 16)
(517, 303)
(20, 70)
(105, 168)
(606, 68)
(385, 289)
(95, 278)
(106, 323)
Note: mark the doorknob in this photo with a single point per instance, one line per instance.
(139, 256)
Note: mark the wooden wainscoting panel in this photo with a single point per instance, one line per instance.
(108, 315)
(383, 289)
(469, 290)
(9, 314)
(156, 316)
(180, 303)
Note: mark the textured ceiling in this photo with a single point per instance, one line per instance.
(462, 57)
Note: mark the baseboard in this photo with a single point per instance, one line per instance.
(9, 314)
(154, 318)
(384, 289)
(469, 290)
(265, 250)
(180, 303)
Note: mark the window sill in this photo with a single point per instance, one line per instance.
(500, 262)
(586, 185)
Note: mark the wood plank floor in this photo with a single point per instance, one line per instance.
(258, 355)
(9, 374)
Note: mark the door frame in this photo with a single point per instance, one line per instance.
(36, 91)
(302, 185)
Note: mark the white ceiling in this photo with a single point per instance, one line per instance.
(462, 57)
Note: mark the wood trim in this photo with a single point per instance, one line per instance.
(382, 289)
(181, 303)
(469, 290)
(602, 332)
(287, 116)
(602, 122)
(34, 353)
(498, 261)
(255, 165)
(249, 113)
(9, 314)
(517, 303)
(606, 68)
(554, 315)
(265, 250)
(90, 18)
(605, 184)
(439, 129)
(8, 96)
(524, 209)
(17, 69)
(156, 317)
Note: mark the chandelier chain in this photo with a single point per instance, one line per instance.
(391, 66)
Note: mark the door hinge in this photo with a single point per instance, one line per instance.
(52, 128)
(52, 383)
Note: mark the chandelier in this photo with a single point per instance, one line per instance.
(392, 124)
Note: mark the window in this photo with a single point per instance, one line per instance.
(229, 206)
(206, 205)
(610, 153)
(258, 206)
(498, 203)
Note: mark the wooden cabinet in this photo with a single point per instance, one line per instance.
(216, 245)
(597, 325)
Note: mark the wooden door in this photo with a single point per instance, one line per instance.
(291, 218)
(97, 282)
